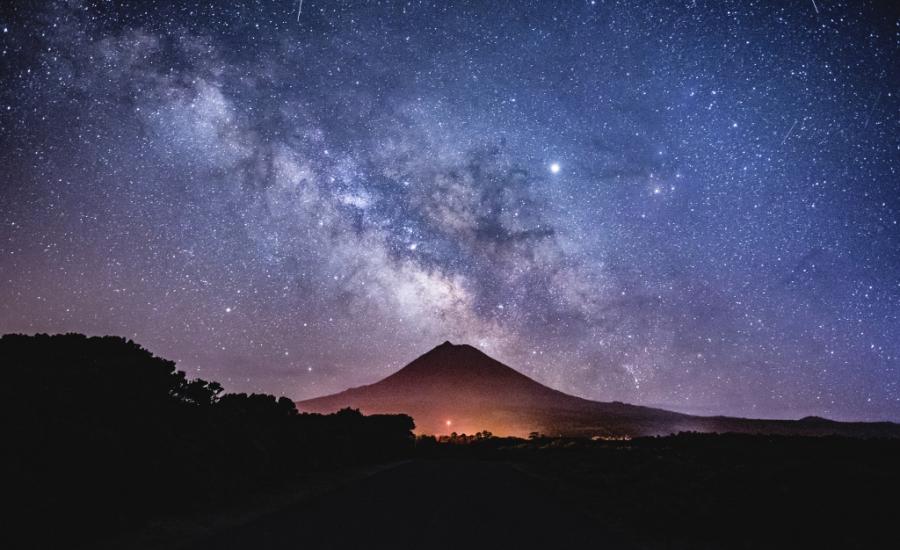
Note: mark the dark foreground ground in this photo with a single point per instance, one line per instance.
(443, 503)
(684, 492)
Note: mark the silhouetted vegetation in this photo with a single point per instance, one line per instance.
(99, 433)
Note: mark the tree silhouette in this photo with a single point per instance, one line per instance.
(106, 434)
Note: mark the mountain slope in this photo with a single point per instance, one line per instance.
(459, 388)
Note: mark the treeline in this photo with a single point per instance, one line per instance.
(99, 433)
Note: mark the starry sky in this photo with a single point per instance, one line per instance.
(684, 204)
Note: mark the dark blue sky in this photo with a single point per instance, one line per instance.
(684, 204)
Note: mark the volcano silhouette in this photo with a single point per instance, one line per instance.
(457, 388)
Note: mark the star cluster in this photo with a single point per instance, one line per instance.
(683, 204)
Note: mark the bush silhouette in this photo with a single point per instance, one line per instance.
(103, 434)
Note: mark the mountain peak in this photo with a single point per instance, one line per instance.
(448, 345)
(452, 356)
(450, 368)
(457, 387)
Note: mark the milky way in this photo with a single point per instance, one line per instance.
(688, 204)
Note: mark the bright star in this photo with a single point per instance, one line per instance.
(555, 168)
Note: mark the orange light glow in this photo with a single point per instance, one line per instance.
(448, 422)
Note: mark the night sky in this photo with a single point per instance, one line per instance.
(684, 204)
